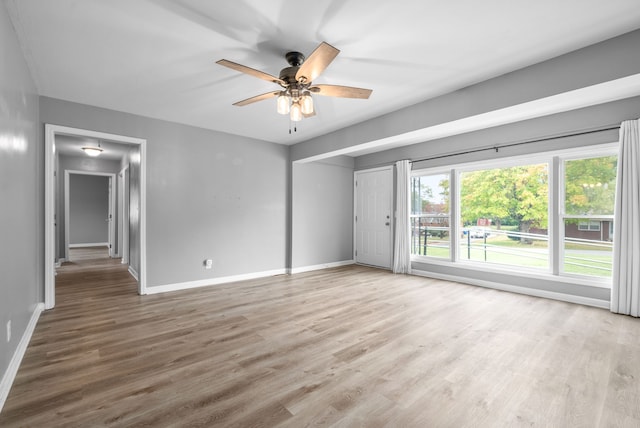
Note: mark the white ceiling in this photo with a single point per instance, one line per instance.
(156, 58)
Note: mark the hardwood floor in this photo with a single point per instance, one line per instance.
(88, 253)
(351, 346)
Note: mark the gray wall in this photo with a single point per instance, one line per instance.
(603, 115)
(21, 192)
(75, 163)
(88, 209)
(209, 194)
(322, 219)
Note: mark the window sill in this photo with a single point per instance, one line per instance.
(471, 266)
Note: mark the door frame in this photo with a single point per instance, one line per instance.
(49, 202)
(123, 218)
(112, 214)
(392, 210)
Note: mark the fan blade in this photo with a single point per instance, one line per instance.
(315, 64)
(341, 91)
(251, 71)
(257, 98)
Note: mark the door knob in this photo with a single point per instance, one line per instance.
(386, 224)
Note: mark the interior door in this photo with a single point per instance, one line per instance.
(373, 222)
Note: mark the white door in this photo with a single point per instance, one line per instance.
(373, 207)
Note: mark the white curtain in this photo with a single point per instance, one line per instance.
(401, 245)
(625, 290)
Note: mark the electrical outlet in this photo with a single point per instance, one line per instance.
(9, 331)
(208, 264)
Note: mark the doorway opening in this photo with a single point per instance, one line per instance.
(136, 220)
(90, 217)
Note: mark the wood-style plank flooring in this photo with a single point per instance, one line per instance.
(344, 347)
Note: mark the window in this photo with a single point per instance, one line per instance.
(589, 197)
(500, 213)
(514, 199)
(591, 226)
(430, 233)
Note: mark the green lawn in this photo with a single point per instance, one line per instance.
(579, 259)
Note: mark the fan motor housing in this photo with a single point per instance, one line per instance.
(295, 59)
(288, 74)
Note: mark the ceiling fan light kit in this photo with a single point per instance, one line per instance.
(297, 82)
(307, 103)
(283, 103)
(296, 112)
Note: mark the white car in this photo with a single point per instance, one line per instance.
(479, 232)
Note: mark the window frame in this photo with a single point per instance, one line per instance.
(432, 172)
(610, 149)
(589, 223)
(555, 162)
(507, 162)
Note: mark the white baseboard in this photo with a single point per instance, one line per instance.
(320, 266)
(91, 244)
(587, 301)
(10, 375)
(213, 281)
(133, 272)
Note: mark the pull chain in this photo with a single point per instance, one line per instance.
(295, 127)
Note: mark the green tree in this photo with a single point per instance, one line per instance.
(444, 193)
(590, 185)
(517, 194)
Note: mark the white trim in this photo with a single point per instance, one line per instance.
(10, 374)
(587, 301)
(213, 281)
(354, 215)
(49, 217)
(112, 219)
(96, 244)
(321, 266)
(49, 202)
(133, 272)
(67, 216)
(142, 283)
(123, 232)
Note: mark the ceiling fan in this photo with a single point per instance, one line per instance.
(297, 82)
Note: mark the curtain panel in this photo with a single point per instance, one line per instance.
(401, 245)
(625, 289)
